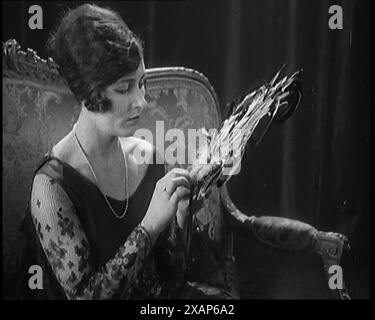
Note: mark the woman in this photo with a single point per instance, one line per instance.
(96, 211)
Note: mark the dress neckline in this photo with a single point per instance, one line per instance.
(50, 155)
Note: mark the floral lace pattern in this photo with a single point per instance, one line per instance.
(68, 251)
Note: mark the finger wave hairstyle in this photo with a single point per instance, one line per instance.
(93, 48)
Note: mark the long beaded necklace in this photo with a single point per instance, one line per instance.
(97, 182)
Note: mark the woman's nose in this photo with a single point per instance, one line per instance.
(143, 102)
(140, 102)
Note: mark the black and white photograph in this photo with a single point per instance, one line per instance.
(186, 150)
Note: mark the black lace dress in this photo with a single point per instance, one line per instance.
(85, 251)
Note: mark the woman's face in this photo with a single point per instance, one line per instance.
(128, 100)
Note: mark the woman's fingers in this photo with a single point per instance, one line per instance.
(176, 172)
(181, 181)
(176, 182)
(180, 193)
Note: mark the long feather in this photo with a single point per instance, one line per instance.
(234, 133)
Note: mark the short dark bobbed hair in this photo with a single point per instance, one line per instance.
(93, 48)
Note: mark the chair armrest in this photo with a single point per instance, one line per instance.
(289, 235)
(281, 233)
(284, 233)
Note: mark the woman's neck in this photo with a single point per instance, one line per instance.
(96, 142)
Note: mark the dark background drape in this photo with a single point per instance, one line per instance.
(315, 167)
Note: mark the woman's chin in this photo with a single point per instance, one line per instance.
(126, 132)
(127, 128)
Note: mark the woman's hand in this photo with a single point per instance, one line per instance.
(169, 190)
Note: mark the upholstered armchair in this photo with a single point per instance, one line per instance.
(39, 109)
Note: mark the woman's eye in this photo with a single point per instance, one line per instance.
(129, 86)
(123, 90)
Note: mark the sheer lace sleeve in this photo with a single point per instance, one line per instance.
(67, 249)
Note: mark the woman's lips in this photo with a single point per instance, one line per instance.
(134, 118)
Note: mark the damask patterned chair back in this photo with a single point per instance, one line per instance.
(39, 109)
